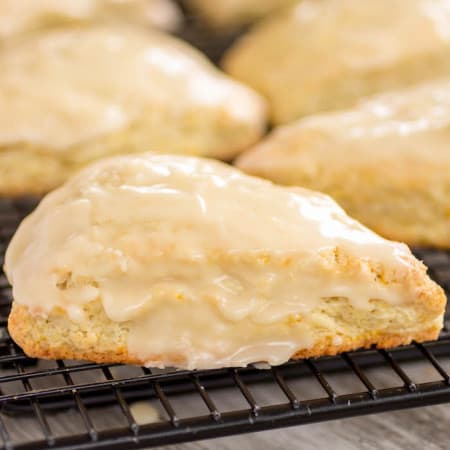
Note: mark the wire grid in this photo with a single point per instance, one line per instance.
(39, 391)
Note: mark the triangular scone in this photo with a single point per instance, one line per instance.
(386, 161)
(18, 17)
(70, 96)
(177, 261)
(325, 55)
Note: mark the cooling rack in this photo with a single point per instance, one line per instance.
(100, 402)
(193, 405)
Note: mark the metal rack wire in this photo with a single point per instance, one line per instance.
(47, 392)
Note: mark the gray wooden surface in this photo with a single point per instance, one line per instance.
(421, 428)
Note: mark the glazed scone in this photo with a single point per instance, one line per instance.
(230, 14)
(386, 161)
(325, 54)
(70, 96)
(166, 260)
(23, 16)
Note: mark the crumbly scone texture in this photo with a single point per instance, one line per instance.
(336, 324)
(104, 341)
(28, 170)
(325, 55)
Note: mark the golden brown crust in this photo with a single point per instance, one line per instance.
(381, 340)
(334, 323)
(34, 335)
(104, 341)
(26, 330)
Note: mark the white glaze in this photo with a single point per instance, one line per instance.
(202, 260)
(396, 115)
(406, 128)
(63, 89)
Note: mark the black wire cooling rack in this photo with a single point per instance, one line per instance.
(100, 401)
(75, 405)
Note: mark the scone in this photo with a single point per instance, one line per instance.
(326, 54)
(386, 161)
(231, 14)
(166, 260)
(23, 16)
(70, 96)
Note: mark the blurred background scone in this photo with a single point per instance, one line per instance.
(231, 14)
(69, 96)
(22, 16)
(386, 161)
(325, 54)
